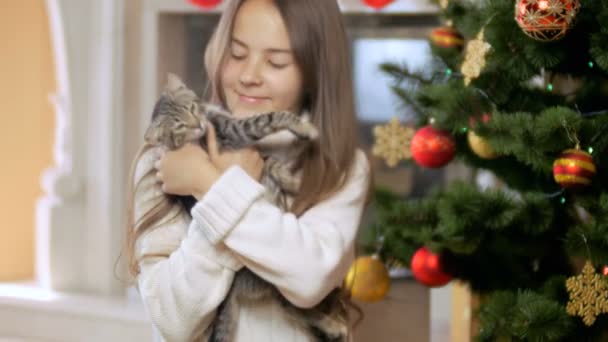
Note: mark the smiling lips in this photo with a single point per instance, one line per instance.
(251, 99)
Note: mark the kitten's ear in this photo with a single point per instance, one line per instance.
(177, 140)
(174, 82)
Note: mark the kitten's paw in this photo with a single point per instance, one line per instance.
(305, 117)
(333, 328)
(306, 129)
(278, 139)
(313, 133)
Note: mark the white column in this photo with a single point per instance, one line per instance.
(106, 171)
(79, 219)
(60, 212)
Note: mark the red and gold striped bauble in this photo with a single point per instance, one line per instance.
(574, 169)
(447, 37)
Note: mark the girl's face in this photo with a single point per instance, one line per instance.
(260, 73)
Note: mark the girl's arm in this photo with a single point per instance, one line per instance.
(304, 257)
(183, 277)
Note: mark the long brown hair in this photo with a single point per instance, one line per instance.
(318, 40)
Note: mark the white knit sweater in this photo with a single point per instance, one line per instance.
(192, 262)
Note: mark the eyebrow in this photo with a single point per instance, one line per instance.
(271, 50)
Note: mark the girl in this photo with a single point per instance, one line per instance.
(265, 55)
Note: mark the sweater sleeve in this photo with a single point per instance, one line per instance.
(304, 257)
(183, 277)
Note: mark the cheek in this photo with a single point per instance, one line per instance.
(289, 87)
(228, 74)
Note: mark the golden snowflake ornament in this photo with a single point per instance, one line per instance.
(588, 295)
(475, 57)
(392, 142)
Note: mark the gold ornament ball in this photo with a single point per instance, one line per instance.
(367, 279)
(480, 146)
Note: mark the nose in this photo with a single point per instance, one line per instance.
(251, 74)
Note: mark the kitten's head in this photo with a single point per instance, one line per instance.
(176, 118)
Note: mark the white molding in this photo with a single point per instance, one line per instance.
(105, 149)
(34, 314)
(59, 213)
(79, 219)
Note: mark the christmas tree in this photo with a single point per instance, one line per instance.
(518, 88)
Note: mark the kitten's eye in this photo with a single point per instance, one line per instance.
(193, 108)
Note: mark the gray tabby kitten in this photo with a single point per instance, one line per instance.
(180, 117)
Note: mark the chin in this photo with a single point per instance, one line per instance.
(249, 111)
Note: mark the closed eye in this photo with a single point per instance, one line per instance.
(238, 57)
(278, 65)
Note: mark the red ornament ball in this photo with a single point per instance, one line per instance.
(545, 20)
(573, 169)
(432, 148)
(427, 268)
(377, 4)
(605, 270)
(206, 4)
(447, 37)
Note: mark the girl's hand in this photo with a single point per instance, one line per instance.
(186, 171)
(248, 159)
